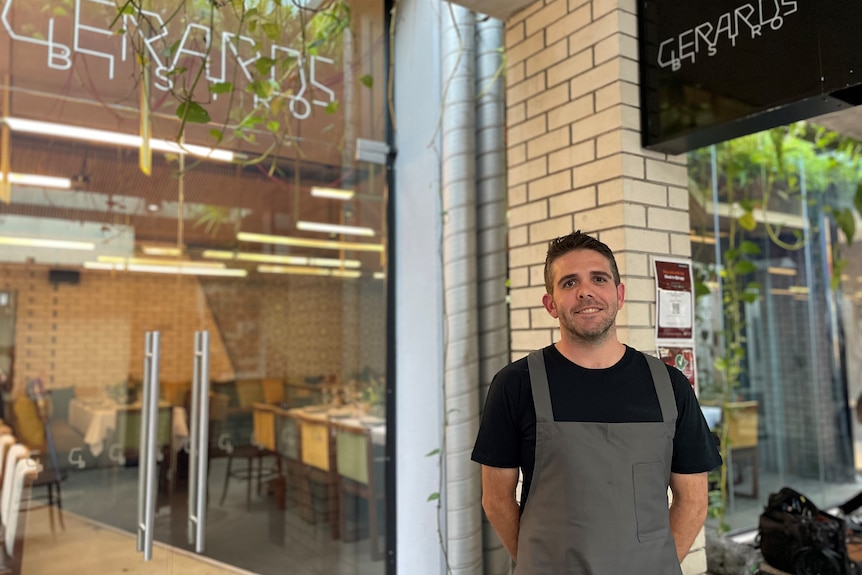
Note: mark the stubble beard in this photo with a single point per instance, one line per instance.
(597, 334)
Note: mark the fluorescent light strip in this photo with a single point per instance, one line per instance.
(186, 270)
(156, 262)
(115, 138)
(277, 259)
(308, 242)
(38, 181)
(332, 193)
(160, 251)
(43, 243)
(162, 269)
(298, 270)
(103, 266)
(379, 275)
(334, 228)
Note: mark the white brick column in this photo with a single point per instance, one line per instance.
(576, 162)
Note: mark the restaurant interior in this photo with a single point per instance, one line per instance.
(274, 247)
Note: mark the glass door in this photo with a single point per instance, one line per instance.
(198, 356)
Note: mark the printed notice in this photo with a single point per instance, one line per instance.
(674, 299)
(681, 357)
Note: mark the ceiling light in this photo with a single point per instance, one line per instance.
(308, 242)
(799, 289)
(166, 269)
(332, 193)
(186, 270)
(379, 275)
(39, 181)
(782, 271)
(43, 243)
(157, 262)
(277, 259)
(334, 228)
(103, 266)
(160, 251)
(299, 270)
(115, 138)
(153, 207)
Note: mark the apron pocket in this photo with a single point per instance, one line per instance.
(651, 508)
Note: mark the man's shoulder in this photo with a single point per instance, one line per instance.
(515, 371)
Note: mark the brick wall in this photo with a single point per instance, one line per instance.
(92, 334)
(575, 162)
(298, 326)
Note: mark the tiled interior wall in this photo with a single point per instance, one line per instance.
(92, 334)
(299, 326)
(575, 161)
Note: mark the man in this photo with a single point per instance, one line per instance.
(599, 431)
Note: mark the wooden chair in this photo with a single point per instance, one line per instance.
(743, 435)
(263, 447)
(360, 473)
(316, 442)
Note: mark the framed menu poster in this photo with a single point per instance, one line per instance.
(674, 299)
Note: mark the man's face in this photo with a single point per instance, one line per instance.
(584, 299)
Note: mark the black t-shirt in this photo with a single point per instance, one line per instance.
(622, 393)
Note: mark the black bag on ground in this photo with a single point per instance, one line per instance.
(797, 537)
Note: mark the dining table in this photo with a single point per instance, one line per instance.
(96, 420)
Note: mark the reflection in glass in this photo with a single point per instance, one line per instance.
(787, 414)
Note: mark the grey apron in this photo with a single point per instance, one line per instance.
(598, 499)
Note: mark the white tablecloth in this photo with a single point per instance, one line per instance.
(95, 421)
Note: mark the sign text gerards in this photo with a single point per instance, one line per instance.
(94, 38)
(751, 19)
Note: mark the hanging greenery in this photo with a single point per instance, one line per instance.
(759, 176)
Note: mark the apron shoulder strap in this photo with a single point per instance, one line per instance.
(663, 388)
(539, 386)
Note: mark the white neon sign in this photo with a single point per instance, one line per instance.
(751, 18)
(241, 50)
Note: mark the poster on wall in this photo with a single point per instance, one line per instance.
(674, 299)
(682, 357)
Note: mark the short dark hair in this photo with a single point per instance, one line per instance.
(576, 241)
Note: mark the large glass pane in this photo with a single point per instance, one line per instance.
(770, 347)
(270, 236)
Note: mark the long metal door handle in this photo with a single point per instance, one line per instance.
(194, 416)
(203, 441)
(151, 453)
(199, 442)
(142, 447)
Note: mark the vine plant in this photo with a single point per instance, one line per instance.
(753, 171)
(264, 94)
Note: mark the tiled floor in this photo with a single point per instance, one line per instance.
(254, 535)
(83, 546)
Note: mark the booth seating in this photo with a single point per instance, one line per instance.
(18, 471)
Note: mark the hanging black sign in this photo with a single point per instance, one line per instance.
(712, 71)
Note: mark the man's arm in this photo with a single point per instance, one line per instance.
(688, 509)
(498, 500)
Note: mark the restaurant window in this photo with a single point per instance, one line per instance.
(194, 195)
(777, 307)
